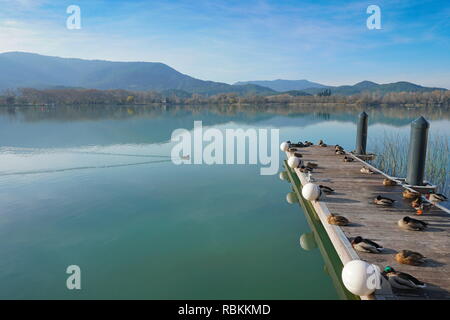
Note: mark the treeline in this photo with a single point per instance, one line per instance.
(28, 96)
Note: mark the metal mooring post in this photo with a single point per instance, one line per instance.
(417, 152)
(361, 134)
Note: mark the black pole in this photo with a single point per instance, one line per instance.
(361, 134)
(417, 152)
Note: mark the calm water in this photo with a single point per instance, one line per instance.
(95, 187)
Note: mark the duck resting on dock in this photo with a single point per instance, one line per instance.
(424, 207)
(312, 165)
(436, 197)
(298, 155)
(338, 148)
(305, 169)
(340, 152)
(366, 245)
(337, 220)
(295, 145)
(409, 257)
(326, 189)
(383, 201)
(389, 182)
(366, 170)
(408, 194)
(417, 202)
(412, 224)
(348, 159)
(308, 143)
(401, 280)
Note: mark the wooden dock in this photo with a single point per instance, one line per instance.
(353, 198)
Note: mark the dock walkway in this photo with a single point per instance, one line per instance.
(353, 198)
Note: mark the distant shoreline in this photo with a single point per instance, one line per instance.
(50, 97)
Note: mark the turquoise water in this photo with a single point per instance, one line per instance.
(95, 187)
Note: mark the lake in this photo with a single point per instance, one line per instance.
(95, 187)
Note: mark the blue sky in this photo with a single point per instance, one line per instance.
(229, 40)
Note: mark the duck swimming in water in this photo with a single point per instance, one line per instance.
(401, 280)
(409, 257)
(366, 245)
(337, 220)
(436, 197)
(412, 224)
(408, 194)
(389, 182)
(383, 201)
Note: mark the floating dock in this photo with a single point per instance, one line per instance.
(353, 198)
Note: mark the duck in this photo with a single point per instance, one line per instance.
(366, 170)
(296, 145)
(412, 224)
(408, 194)
(417, 203)
(340, 152)
(366, 245)
(424, 207)
(312, 165)
(384, 201)
(308, 143)
(436, 197)
(309, 177)
(293, 149)
(298, 155)
(338, 147)
(402, 280)
(320, 142)
(305, 169)
(348, 159)
(389, 182)
(337, 220)
(326, 189)
(410, 257)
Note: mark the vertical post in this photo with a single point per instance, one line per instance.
(417, 151)
(361, 134)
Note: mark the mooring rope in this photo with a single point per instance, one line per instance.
(81, 168)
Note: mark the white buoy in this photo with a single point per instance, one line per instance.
(284, 146)
(294, 162)
(311, 192)
(291, 198)
(361, 278)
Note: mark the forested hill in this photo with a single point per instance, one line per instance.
(20, 69)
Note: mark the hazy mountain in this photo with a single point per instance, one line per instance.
(20, 69)
(369, 86)
(284, 85)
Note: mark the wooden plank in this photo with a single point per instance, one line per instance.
(353, 199)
